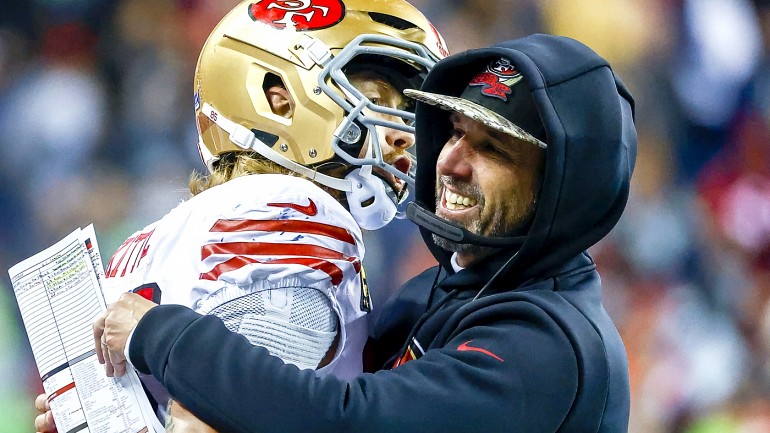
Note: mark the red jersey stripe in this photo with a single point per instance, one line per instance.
(356, 263)
(238, 262)
(291, 226)
(266, 248)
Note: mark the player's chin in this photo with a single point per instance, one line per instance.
(396, 185)
(403, 164)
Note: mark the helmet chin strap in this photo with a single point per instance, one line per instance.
(245, 139)
(368, 188)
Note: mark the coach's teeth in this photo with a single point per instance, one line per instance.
(455, 201)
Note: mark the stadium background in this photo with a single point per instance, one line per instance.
(96, 126)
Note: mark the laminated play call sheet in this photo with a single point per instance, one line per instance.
(59, 295)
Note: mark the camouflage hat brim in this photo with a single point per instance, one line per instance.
(476, 112)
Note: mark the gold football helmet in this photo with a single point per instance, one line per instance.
(307, 46)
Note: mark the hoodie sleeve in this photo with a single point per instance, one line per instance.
(493, 375)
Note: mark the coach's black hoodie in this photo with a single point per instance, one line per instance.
(536, 352)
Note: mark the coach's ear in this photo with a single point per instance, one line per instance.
(280, 101)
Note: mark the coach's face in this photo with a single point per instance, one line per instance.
(487, 182)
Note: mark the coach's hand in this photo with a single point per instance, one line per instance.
(113, 327)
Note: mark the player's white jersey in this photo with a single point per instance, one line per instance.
(251, 234)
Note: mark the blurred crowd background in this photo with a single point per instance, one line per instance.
(96, 126)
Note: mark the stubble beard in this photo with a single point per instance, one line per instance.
(497, 225)
(470, 250)
(473, 225)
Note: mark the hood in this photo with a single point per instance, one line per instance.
(588, 117)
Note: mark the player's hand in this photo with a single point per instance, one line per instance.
(44, 422)
(113, 327)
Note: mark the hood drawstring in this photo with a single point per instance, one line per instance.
(497, 274)
(431, 310)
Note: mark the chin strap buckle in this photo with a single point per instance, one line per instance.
(369, 202)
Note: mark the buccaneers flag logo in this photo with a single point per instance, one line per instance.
(300, 14)
(498, 79)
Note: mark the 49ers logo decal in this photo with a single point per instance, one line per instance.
(300, 14)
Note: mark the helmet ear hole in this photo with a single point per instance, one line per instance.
(271, 80)
(279, 98)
